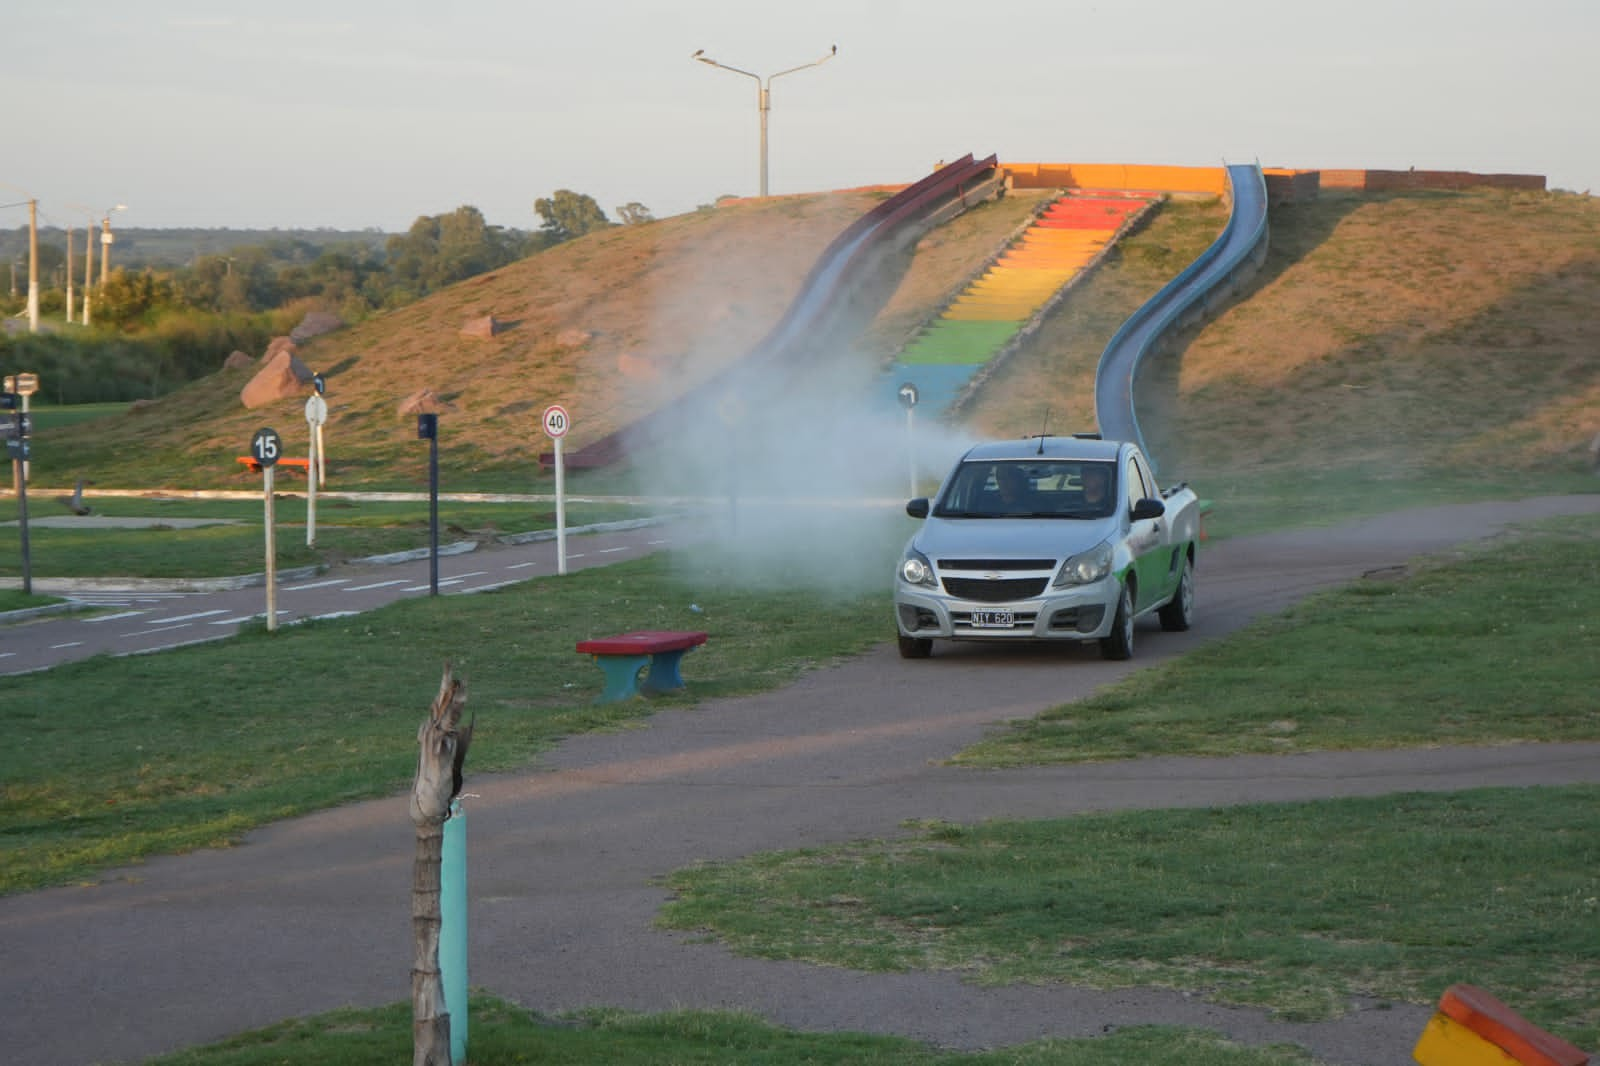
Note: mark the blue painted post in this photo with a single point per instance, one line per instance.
(453, 929)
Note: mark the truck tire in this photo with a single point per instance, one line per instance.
(915, 647)
(1177, 615)
(1118, 644)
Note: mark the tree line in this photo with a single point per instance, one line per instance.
(155, 328)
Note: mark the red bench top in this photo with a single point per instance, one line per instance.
(1500, 1025)
(644, 642)
(254, 465)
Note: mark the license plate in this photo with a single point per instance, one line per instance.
(991, 619)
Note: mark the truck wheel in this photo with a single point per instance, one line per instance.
(915, 647)
(1177, 615)
(1119, 644)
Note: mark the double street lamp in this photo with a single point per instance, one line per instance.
(764, 95)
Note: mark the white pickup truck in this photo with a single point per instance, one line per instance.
(1047, 538)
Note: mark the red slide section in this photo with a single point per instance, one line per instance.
(809, 326)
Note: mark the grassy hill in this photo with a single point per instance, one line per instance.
(1421, 341)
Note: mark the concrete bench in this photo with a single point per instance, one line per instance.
(622, 658)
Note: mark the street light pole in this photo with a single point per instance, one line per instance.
(763, 95)
(105, 243)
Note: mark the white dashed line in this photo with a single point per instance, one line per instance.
(524, 566)
(317, 584)
(485, 588)
(114, 617)
(475, 573)
(187, 617)
(236, 621)
(69, 644)
(379, 585)
(149, 632)
(608, 551)
(425, 588)
(653, 543)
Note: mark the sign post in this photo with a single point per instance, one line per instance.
(266, 448)
(23, 385)
(316, 415)
(908, 400)
(321, 385)
(556, 424)
(14, 430)
(428, 430)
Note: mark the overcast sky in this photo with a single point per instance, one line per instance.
(368, 113)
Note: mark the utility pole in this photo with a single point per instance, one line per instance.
(69, 275)
(105, 251)
(33, 266)
(88, 268)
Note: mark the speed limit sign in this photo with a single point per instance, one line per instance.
(265, 447)
(556, 421)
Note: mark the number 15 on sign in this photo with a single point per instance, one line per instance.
(556, 424)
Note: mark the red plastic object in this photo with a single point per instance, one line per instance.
(1497, 1023)
(644, 642)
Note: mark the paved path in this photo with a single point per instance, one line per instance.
(153, 615)
(313, 913)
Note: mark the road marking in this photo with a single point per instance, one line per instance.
(524, 566)
(317, 584)
(114, 617)
(474, 573)
(69, 644)
(187, 617)
(608, 551)
(484, 588)
(334, 614)
(149, 632)
(663, 540)
(379, 585)
(424, 588)
(8, 655)
(237, 621)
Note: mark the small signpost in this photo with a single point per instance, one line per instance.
(266, 447)
(428, 430)
(908, 400)
(321, 385)
(14, 430)
(556, 424)
(316, 415)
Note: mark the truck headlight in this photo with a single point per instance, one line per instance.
(1085, 567)
(916, 570)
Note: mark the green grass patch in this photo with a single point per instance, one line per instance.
(502, 1034)
(16, 600)
(115, 759)
(1295, 907)
(1500, 645)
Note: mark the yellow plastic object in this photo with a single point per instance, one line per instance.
(1448, 1043)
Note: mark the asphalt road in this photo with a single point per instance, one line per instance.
(143, 617)
(312, 914)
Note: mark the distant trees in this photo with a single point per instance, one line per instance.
(632, 214)
(569, 214)
(443, 249)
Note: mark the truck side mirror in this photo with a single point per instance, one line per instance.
(1148, 508)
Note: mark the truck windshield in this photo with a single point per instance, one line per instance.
(1031, 488)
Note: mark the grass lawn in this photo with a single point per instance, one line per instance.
(16, 600)
(501, 1034)
(1502, 645)
(85, 786)
(1297, 906)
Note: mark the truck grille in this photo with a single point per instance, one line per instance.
(1005, 590)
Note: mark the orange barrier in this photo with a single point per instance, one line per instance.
(1117, 176)
(1473, 1028)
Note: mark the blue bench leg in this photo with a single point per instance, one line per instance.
(621, 674)
(664, 675)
